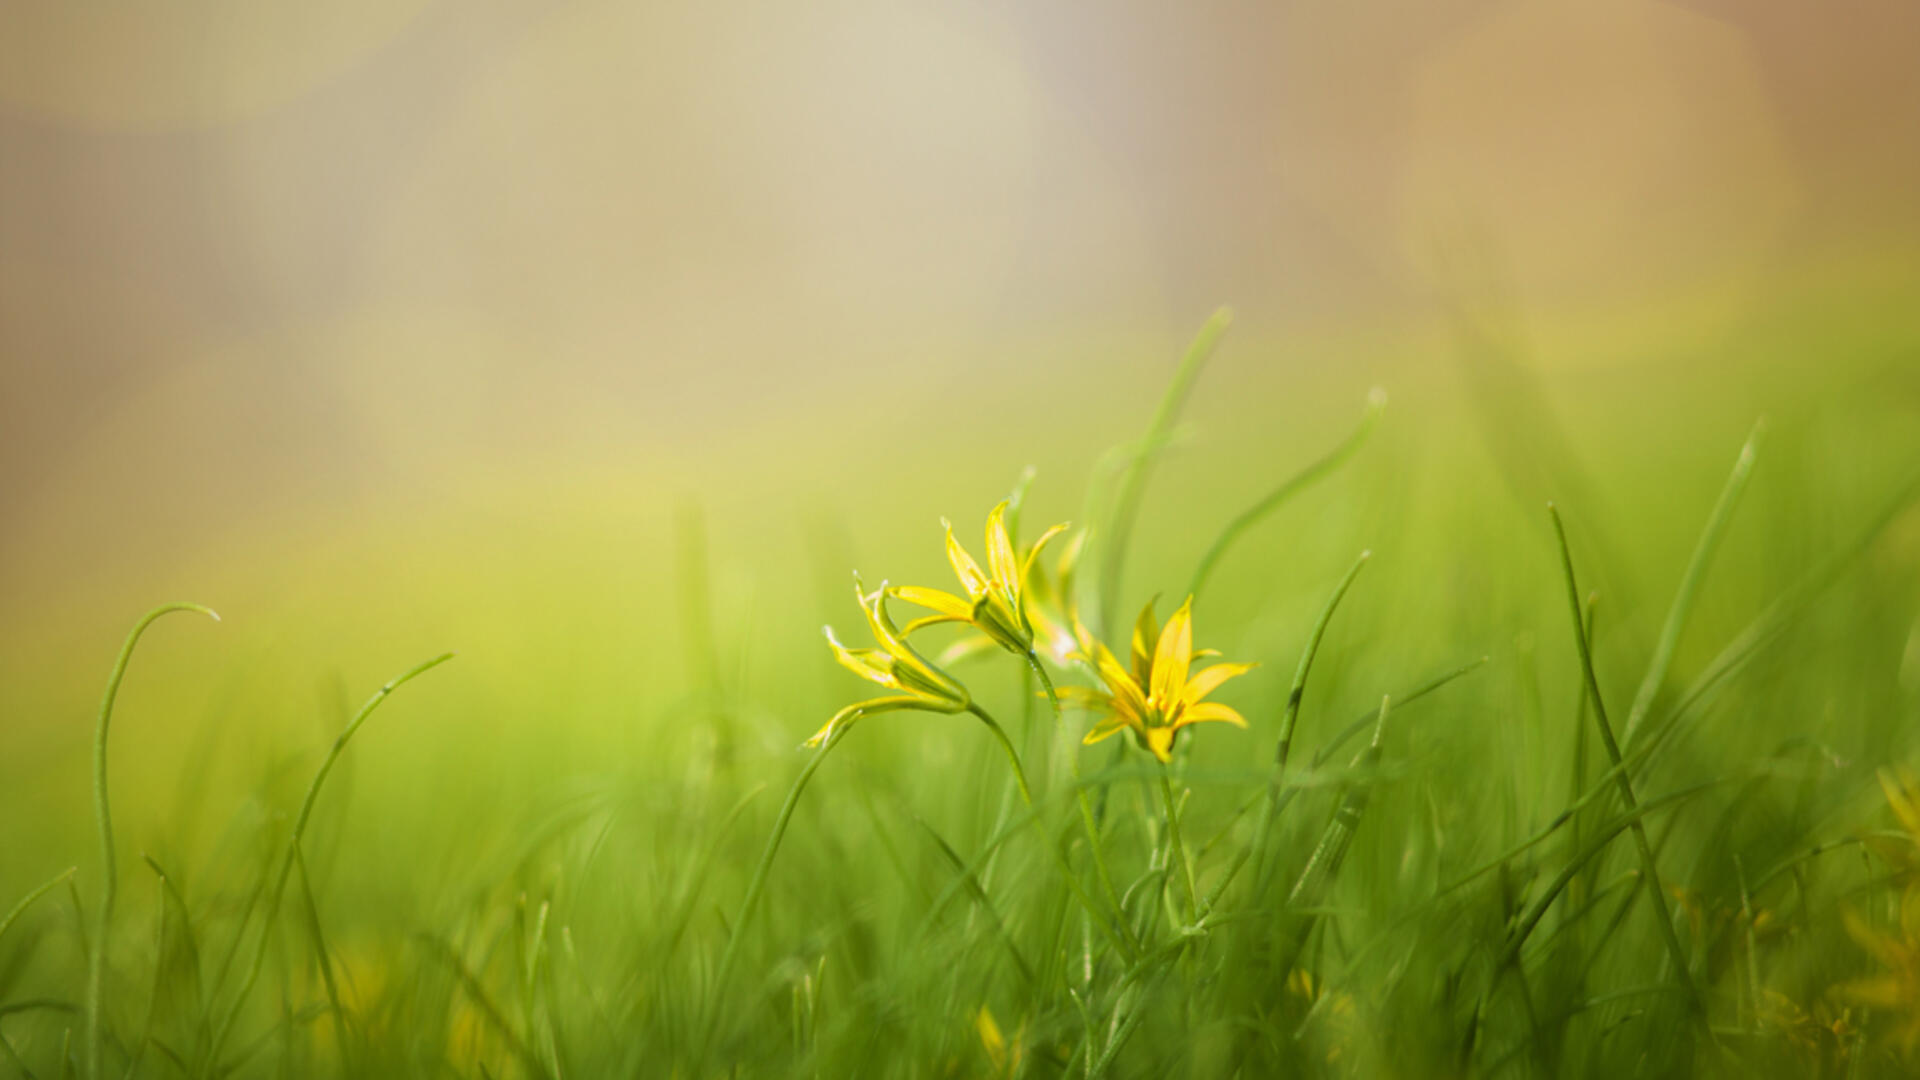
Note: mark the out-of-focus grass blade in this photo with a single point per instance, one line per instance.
(1293, 485)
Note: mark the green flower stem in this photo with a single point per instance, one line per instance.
(1006, 744)
(1177, 848)
(109, 872)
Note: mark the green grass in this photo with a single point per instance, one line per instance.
(1483, 822)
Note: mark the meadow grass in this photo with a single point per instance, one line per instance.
(1542, 830)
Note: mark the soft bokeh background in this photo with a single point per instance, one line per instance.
(392, 327)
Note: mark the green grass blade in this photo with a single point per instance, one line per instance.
(1293, 485)
(1696, 572)
(109, 868)
(13, 914)
(1296, 693)
(1133, 482)
(278, 891)
(1669, 935)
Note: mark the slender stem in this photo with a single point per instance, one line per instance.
(1006, 744)
(758, 883)
(1647, 862)
(109, 871)
(1177, 849)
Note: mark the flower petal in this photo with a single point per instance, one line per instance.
(1127, 696)
(1171, 658)
(1033, 553)
(1900, 798)
(1002, 564)
(925, 621)
(968, 571)
(1207, 712)
(1106, 728)
(936, 600)
(857, 710)
(1083, 695)
(1146, 636)
(1206, 682)
(874, 665)
(1160, 741)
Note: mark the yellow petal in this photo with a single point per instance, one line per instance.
(1107, 727)
(1127, 696)
(1884, 948)
(1206, 682)
(1879, 991)
(1033, 553)
(1082, 695)
(1901, 800)
(968, 571)
(1160, 741)
(925, 621)
(1209, 711)
(1002, 564)
(990, 1037)
(1146, 636)
(1172, 656)
(874, 665)
(936, 600)
(857, 710)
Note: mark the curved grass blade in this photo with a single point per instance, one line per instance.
(980, 897)
(278, 891)
(19, 909)
(1127, 503)
(1310, 890)
(1293, 485)
(1295, 694)
(1690, 580)
(1669, 935)
(1770, 624)
(109, 869)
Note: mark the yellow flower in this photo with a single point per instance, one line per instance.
(994, 601)
(1897, 988)
(1005, 1058)
(895, 665)
(1157, 698)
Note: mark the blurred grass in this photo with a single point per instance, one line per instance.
(529, 863)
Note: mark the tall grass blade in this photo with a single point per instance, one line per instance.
(1293, 485)
(1669, 935)
(1696, 572)
(109, 867)
(1133, 482)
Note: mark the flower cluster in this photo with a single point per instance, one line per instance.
(1014, 605)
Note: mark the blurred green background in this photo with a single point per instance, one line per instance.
(599, 341)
